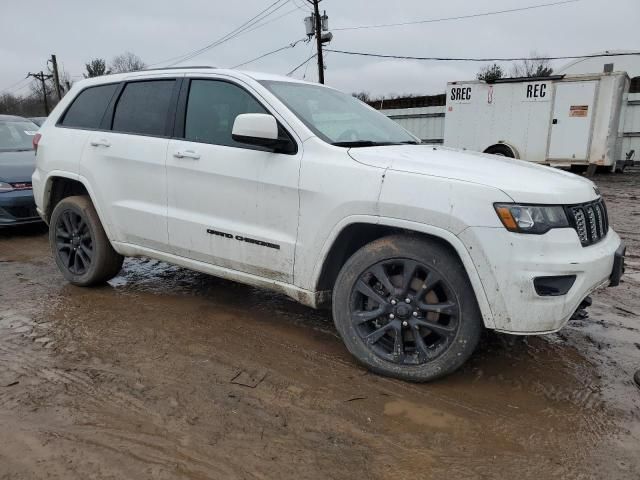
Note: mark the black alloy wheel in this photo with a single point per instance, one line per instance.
(74, 243)
(405, 307)
(79, 243)
(404, 311)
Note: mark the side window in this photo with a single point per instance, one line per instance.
(143, 107)
(89, 106)
(212, 107)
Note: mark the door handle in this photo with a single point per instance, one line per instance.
(100, 143)
(186, 154)
(555, 121)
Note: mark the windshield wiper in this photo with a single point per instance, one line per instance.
(363, 143)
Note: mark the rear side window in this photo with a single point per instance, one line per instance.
(88, 108)
(143, 107)
(212, 108)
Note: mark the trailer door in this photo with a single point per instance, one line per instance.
(571, 122)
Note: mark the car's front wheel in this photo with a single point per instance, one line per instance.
(405, 308)
(79, 244)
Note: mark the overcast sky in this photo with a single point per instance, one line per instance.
(79, 30)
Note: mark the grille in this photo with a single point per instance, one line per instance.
(590, 221)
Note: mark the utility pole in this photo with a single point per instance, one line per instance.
(43, 78)
(318, 26)
(56, 77)
(315, 25)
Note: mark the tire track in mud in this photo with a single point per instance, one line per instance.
(99, 399)
(95, 400)
(148, 449)
(392, 388)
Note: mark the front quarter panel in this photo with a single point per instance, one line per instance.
(445, 203)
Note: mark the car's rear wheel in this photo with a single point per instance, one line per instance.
(79, 244)
(405, 308)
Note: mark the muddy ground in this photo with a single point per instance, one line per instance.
(165, 373)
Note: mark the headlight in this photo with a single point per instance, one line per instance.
(531, 218)
(5, 187)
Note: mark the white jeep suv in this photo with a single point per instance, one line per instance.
(304, 190)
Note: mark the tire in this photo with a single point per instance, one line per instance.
(79, 244)
(500, 150)
(619, 167)
(578, 169)
(449, 335)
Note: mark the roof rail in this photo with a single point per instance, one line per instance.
(176, 68)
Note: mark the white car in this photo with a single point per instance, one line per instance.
(304, 190)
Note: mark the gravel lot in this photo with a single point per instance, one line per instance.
(166, 373)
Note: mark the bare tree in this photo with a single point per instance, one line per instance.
(65, 81)
(490, 73)
(36, 90)
(96, 68)
(362, 96)
(28, 105)
(10, 104)
(126, 62)
(532, 67)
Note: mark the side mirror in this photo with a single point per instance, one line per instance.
(259, 129)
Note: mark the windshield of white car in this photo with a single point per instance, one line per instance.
(338, 118)
(16, 135)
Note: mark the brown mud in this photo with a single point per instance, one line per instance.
(166, 373)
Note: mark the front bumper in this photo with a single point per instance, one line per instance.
(18, 208)
(509, 262)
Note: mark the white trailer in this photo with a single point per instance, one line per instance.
(563, 121)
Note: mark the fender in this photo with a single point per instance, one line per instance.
(515, 151)
(43, 195)
(104, 219)
(513, 148)
(440, 233)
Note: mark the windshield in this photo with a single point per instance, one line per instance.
(16, 135)
(338, 118)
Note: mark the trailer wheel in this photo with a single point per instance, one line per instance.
(619, 167)
(501, 150)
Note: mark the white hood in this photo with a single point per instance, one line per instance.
(524, 182)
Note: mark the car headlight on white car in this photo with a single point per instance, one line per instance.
(536, 219)
(6, 187)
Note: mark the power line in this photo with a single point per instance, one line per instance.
(14, 85)
(301, 65)
(452, 59)
(260, 25)
(460, 17)
(290, 45)
(18, 91)
(304, 74)
(232, 34)
(303, 7)
(250, 23)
